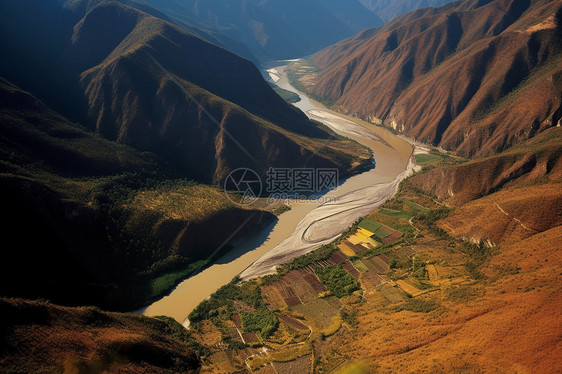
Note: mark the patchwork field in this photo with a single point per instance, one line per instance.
(417, 274)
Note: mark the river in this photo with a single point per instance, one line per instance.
(308, 224)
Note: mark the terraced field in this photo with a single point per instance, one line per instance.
(396, 268)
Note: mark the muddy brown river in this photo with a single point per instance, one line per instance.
(308, 225)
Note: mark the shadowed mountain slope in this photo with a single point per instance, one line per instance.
(141, 81)
(472, 76)
(87, 340)
(88, 220)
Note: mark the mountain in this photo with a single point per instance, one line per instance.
(471, 76)
(521, 182)
(102, 227)
(87, 340)
(389, 9)
(213, 36)
(116, 129)
(275, 29)
(478, 268)
(141, 81)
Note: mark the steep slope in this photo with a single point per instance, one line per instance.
(144, 82)
(472, 76)
(473, 285)
(390, 9)
(505, 198)
(80, 218)
(274, 29)
(86, 340)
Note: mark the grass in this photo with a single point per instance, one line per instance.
(182, 200)
(322, 311)
(461, 293)
(299, 70)
(395, 222)
(415, 206)
(427, 159)
(359, 265)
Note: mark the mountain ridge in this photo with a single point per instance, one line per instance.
(456, 91)
(117, 89)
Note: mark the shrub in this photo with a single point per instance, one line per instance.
(262, 321)
(418, 306)
(339, 282)
(349, 316)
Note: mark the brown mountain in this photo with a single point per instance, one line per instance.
(142, 81)
(505, 198)
(390, 9)
(87, 340)
(97, 212)
(117, 108)
(472, 76)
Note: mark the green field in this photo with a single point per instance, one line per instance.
(396, 213)
(427, 159)
(381, 233)
(416, 206)
(338, 281)
(370, 225)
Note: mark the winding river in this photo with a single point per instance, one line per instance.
(309, 224)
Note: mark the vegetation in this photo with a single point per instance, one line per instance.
(349, 316)
(396, 213)
(338, 281)
(418, 305)
(174, 329)
(288, 96)
(305, 70)
(434, 215)
(247, 292)
(370, 225)
(262, 321)
(282, 209)
(321, 254)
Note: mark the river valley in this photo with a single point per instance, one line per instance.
(309, 224)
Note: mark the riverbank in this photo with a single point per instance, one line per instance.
(354, 198)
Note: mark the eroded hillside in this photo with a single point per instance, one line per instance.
(473, 77)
